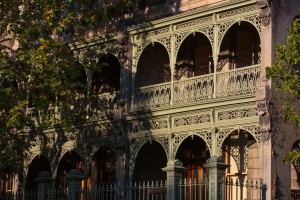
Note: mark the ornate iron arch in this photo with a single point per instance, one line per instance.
(180, 38)
(140, 48)
(29, 160)
(225, 27)
(224, 133)
(136, 147)
(179, 138)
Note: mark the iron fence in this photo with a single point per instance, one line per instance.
(295, 194)
(245, 189)
(193, 189)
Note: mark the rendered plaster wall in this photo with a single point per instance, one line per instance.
(283, 134)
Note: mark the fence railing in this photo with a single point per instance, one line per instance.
(192, 190)
(233, 82)
(245, 189)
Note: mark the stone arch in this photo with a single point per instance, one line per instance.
(106, 74)
(154, 56)
(194, 56)
(235, 53)
(38, 164)
(147, 167)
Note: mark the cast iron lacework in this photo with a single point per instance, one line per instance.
(206, 136)
(139, 142)
(238, 11)
(254, 130)
(147, 125)
(223, 29)
(237, 114)
(195, 22)
(193, 89)
(179, 37)
(222, 134)
(191, 120)
(237, 82)
(209, 32)
(178, 138)
(154, 96)
(255, 19)
(167, 42)
(152, 33)
(164, 141)
(139, 48)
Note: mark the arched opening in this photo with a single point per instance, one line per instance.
(70, 160)
(241, 151)
(103, 167)
(193, 153)
(106, 76)
(153, 66)
(240, 47)
(194, 57)
(149, 163)
(39, 163)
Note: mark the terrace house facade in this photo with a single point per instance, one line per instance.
(183, 86)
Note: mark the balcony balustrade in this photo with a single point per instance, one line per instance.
(221, 84)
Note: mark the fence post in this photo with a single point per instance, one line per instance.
(216, 169)
(174, 170)
(44, 181)
(74, 180)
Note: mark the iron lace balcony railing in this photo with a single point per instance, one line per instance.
(234, 82)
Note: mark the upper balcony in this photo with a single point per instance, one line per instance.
(199, 70)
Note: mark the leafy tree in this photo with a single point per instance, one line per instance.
(38, 70)
(285, 74)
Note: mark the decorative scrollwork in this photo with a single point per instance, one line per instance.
(256, 20)
(178, 138)
(206, 136)
(195, 22)
(148, 125)
(167, 42)
(178, 40)
(223, 29)
(153, 33)
(222, 134)
(237, 114)
(164, 141)
(191, 120)
(239, 11)
(254, 130)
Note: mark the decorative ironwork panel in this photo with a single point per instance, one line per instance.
(178, 138)
(167, 42)
(239, 81)
(164, 141)
(256, 20)
(192, 120)
(139, 49)
(240, 11)
(153, 33)
(178, 40)
(195, 22)
(193, 89)
(222, 134)
(154, 96)
(254, 130)
(206, 136)
(223, 29)
(237, 114)
(147, 125)
(209, 32)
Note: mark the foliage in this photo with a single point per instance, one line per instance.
(285, 74)
(38, 70)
